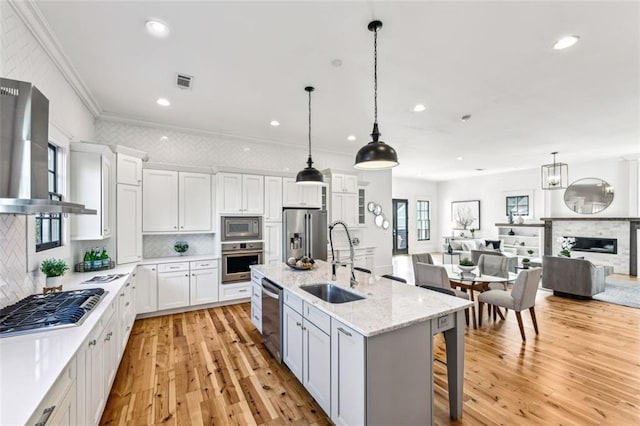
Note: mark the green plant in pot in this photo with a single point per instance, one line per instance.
(53, 269)
(530, 251)
(525, 263)
(181, 247)
(466, 264)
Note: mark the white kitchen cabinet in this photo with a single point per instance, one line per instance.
(256, 299)
(173, 289)
(240, 194)
(272, 243)
(316, 355)
(95, 397)
(204, 283)
(129, 170)
(292, 341)
(272, 199)
(344, 183)
(92, 182)
(126, 312)
(59, 406)
(348, 388)
(128, 223)
(295, 195)
(344, 206)
(110, 348)
(146, 289)
(235, 291)
(65, 412)
(194, 201)
(176, 201)
(159, 200)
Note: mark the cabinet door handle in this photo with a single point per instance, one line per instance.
(106, 339)
(181, 227)
(153, 269)
(121, 294)
(93, 342)
(133, 287)
(298, 324)
(46, 413)
(127, 284)
(344, 331)
(193, 275)
(186, 275)
(127, 304)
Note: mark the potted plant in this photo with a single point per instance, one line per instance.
(53, 269)
(566, 244)
(473, 232)
(466, 264)
(525, 263)
(530, 251)
(181, 247)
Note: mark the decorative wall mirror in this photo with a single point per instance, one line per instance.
(588, 196)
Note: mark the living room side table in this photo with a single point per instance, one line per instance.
(447, 258)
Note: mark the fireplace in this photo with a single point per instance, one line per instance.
(596, 245)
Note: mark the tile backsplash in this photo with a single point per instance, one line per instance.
(162, 245)
(15, 282)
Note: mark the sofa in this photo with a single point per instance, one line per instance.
(569, 277)
(465, 246)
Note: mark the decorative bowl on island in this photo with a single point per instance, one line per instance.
(303, 263)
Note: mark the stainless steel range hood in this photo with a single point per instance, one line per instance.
(24, 139)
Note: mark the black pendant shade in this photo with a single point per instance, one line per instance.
(376, 155)
(309, 175)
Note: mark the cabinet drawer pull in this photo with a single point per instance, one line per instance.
(133, 287)
(121, 294)
(344, 331)
(298, 324)
(243, 290)
(127, 284)
(93, 342)
(186, 275)
(127, 304)
(46, 413)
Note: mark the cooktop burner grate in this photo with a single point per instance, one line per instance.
(48, 311)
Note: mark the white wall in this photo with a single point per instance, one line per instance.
(23, 58)
(423, 190)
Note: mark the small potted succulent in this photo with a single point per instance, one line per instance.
(525, 263)
(530, 251)
(181, 247)
(466, 265)
(53, 269)
(473, 232)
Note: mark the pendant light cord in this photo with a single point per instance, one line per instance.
(309, 125)
(375, 75)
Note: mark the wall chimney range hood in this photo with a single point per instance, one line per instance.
(24, 139)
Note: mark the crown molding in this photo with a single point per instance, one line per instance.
(36, 23)
(113, 118)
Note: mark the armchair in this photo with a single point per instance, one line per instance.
(577, 278)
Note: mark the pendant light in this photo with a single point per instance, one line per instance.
(555, 175)
(309, 175)
(376, 155)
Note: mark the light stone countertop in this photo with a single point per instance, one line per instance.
(388, 305)
(171, 259)
(31, 363)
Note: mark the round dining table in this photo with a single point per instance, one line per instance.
(474, 281)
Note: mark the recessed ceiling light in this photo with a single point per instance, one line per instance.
(275, 123)
(459, 158)
(466, 117)
(351, 138)
(157, 28)
(246, 149)
(163, 102)
(419, 108)
(565, 42)
(164, 138)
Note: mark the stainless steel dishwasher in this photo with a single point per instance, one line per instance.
(272, 318)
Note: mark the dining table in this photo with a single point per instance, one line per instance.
(472, 281)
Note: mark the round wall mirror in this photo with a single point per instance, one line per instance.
(588, 196)
(379, 220)
(371, 206)
(385, 224)
(377, 210)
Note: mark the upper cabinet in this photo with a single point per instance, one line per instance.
(92, 184)
(272, 199)
(175, 201)
(294, 195)
(240, 194)
(344, 183)
(129, 170)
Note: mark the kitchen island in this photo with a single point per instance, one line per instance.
(370, 360)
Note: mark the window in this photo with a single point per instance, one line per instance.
(423, 222)
(518, 205)
(49, 225)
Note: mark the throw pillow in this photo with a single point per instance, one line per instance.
(494, 244)
(456, 245)
(469, 245)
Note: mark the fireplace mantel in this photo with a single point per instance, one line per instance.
(630, 219)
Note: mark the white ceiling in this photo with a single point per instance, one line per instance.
(251, 61)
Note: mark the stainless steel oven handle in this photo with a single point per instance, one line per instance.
(270, 294)
(240, 253)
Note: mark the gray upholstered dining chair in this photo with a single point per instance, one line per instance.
(429, 276)
(498, 266)
(521, 297)
(421, 258)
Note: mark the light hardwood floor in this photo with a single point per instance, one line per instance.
(209, 367)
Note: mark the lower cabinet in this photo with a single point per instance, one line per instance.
(203, 286)
(146, 283)
(59, 406)
(307, 353)
(173, 289)
(235, 291)
(348, 387)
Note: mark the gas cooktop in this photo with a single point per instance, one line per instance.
(52, 311)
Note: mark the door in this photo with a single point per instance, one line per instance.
(159, 200)
(272, 199)
(146, 289)
(195, 201)
(252, 194)
(400, 226)
(230, 193)
(311, 195)
(204, 286)
(316, 354)
(292, 340)
(129, 223)
(129, 170)
(173, 290)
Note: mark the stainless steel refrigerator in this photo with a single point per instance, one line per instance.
(304, 233)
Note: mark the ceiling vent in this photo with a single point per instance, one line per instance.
(184, 81)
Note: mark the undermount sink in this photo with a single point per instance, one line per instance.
(331, 293)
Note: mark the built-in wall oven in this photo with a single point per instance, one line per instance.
(241, 228)
(237, 259)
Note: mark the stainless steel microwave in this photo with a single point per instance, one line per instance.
(239, 228)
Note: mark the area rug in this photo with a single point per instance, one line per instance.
(620, 292)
